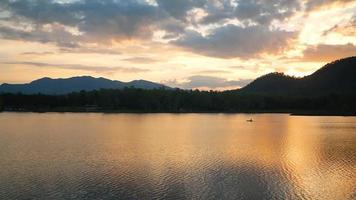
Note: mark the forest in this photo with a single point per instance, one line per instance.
(180, 101)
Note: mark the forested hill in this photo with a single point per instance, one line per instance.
(74, 84)
(336, 77)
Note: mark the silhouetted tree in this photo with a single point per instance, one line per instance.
(1, 104)
(161, 100)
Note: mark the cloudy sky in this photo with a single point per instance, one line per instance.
(206, 44)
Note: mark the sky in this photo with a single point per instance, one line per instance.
(200, 44)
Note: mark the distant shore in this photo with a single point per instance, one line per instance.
(115, 111)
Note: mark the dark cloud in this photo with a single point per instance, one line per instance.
(327, 53)
(173, 27)
(218, 11)
(57, 35)
(212, 82)
(40, 12)
(247, 11)
(264, 11)
(233, 41)
(75, 24)
(97, 69)
(117, 19)
(178, 8)
(94, 18)
(100, 20)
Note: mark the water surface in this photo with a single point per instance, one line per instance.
(176, 156)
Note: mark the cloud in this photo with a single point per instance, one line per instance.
(178, 8)
(264, 11)
(117, 19)
(211, 82)
(30, 53)
(84, 50)
(253, 68)
(57, 35)
(97, 69)
(76, 25)
(317, 4)
(140, 60)
(79, 24)
(216, 71)
(95, 19)
(327, 53)
(257, 11)
(90, 50)
(234, 41)
(347, 29)
(237, 67)
(110, 20)
(206, 27)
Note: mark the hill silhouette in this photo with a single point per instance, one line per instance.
(336, 77)
(74, 84)
(272, 83)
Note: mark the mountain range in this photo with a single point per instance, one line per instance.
(336, 77)
(74, 84)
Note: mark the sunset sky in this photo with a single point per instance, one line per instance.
(206, 44)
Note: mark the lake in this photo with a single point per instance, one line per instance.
(176, 156)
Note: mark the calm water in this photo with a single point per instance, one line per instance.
(176, 156)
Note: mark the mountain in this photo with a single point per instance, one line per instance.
(336, 77)
(74, 84)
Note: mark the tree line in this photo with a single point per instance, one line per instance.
(164, 100)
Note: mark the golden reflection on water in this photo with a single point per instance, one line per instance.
(324, 158)
(192, 156)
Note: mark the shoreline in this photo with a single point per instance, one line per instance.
(108, 111)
